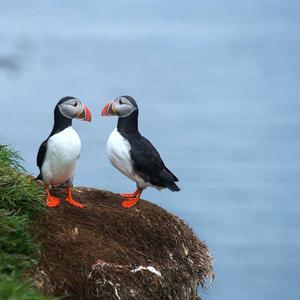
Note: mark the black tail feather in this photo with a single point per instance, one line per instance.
(172, 186)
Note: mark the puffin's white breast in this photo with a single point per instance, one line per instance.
(63, 151)
(118, 151)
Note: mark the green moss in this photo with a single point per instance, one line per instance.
(18, 192)
(16, 246)
(12, 288)
(21, 199)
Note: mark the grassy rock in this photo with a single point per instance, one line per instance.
(100, 252)
(20, 200)
(107, 252)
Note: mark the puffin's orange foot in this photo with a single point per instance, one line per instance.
(52, 201)
(130, 202)
(128, 195)
(74, 202)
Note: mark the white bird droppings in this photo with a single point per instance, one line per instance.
(150, 269)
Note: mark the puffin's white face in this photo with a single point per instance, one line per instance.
(73, 108)
(122, 106)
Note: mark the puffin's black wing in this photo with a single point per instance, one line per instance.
(40, 157)
(149, 165)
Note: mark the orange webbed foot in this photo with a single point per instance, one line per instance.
(71, 200)
(135, 195)
(128, 195)
(52, 201)
(130, 202)
(74, 202)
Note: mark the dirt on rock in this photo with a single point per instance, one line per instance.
(104, 251)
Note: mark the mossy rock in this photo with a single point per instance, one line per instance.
(104, 251)
(21, 199)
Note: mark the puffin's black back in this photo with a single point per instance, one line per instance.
(149, 165)
(147, 161)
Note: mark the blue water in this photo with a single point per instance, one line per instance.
(217, 83)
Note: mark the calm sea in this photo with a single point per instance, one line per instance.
(217, 83)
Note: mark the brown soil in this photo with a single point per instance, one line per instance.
(102, 251)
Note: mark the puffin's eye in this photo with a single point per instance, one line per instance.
(121, 102)
(75, 104)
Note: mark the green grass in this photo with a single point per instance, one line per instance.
(18, 192)
(21, 199)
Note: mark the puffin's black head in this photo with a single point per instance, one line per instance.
(71, 108)
(122, 106)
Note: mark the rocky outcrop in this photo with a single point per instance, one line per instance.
(107, 252)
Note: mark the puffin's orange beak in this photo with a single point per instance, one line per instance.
(85, 115)
(88, 115)
(108, 109)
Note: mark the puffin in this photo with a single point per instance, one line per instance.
(134, 155)
(58, 154)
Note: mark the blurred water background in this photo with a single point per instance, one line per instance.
(217, 83)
